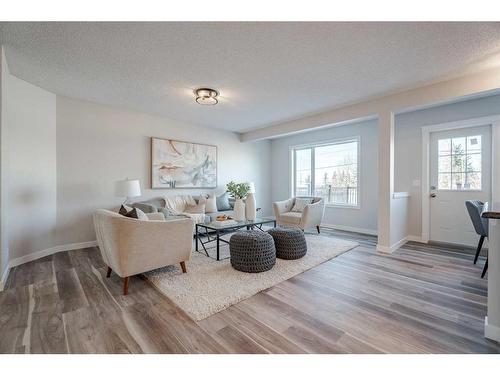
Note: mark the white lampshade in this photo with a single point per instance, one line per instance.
(128, 188)
(252, 187)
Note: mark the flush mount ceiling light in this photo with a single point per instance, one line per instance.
(206, 96)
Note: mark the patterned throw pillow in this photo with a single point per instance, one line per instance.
(124, 210)
(166, 212)
(300, 204)
(136, 213)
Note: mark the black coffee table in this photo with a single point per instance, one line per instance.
(215, 230)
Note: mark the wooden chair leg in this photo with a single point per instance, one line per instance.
(183, 266)
(317, 228)
(108, 274)
(125, 285)
(479, 246)
(485, 268)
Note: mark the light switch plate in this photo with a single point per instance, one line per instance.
(416, 183)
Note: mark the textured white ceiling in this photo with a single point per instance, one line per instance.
(266, 72)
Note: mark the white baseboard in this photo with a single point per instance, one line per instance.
(346, 228)
(416, 239)
(3, 280)
(46, 252)
(393, 248)
(490, 331)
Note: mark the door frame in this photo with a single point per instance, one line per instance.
(426, 133)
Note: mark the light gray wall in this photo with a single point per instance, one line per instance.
(366, 216)
(407, 156)
(408, 145)
(98, 145)
(30, 116)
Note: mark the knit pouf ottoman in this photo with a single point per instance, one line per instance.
(252, 251)
(290, 242)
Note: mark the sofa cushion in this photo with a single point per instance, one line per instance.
(155, 202)
(145, 207)
(291, 217)
(223, 202)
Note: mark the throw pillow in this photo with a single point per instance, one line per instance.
(300, 204)
(195, 209)
(211, 204)
(223, 202)
(136, 213)
(124, 210)
(166, 212)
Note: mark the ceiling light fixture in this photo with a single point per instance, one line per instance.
(206, 96)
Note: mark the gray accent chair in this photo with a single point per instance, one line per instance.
(310, 217)
(480, 224)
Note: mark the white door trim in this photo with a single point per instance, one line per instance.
(426, 132)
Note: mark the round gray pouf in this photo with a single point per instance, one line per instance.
(252, 251)
(290, 242)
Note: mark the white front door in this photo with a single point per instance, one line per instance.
(460, 169)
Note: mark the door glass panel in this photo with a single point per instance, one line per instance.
(444, 181)
(458, 146)
(444, 165)
(474, 144)
(473, 163)
(457, 181)
(458, 163)
(444, 146)
(473, 181)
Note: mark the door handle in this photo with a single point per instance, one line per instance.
(433, 195)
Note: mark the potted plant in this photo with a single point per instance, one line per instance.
(238, 192)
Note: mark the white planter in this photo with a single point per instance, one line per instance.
(239, 210)
(250, 209)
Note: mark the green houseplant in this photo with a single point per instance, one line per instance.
(238, 192)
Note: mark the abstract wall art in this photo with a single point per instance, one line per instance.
(181, 165)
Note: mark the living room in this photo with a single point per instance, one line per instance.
(200, 187)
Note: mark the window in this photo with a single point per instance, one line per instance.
(329, 171)
(459, 163)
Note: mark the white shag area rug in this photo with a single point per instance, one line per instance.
(210, 286)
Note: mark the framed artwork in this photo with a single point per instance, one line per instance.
(181, 165)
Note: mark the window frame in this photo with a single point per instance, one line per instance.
(312, 146)
(451, 173)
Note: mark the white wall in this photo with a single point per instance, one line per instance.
(31, 154)
(365, 217)
(97, 145)
(408, 146)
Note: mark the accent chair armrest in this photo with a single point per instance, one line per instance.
(313, 214)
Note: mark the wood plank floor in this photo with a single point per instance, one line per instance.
(421, 299)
